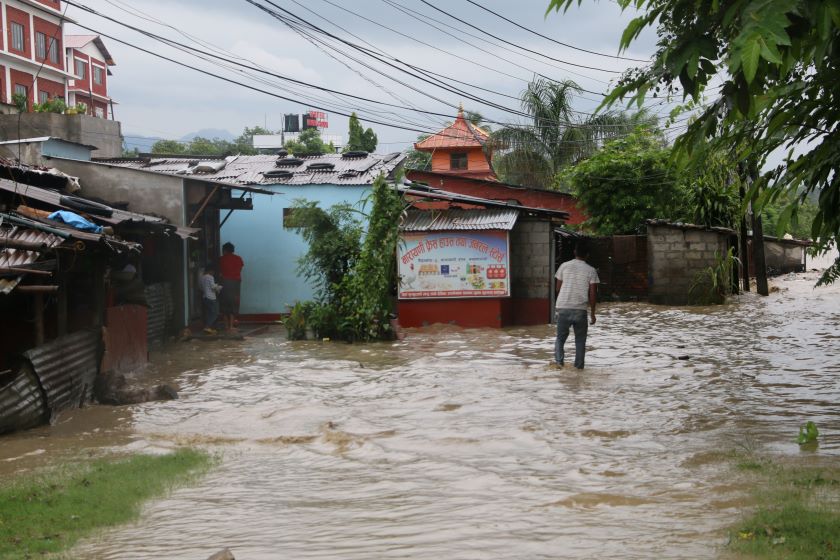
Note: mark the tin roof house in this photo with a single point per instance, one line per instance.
(270, 249)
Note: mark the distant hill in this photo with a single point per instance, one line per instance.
(142, 143)
(210, 134)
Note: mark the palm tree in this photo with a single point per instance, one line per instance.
(532, 154)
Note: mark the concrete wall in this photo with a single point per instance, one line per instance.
(270, 281)
(783, 256)
(145, 192)
(30, 152)
(676, 255)
(106, 135)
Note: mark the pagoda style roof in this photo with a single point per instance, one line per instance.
(460, 134)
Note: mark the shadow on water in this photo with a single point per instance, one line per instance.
(467, 444)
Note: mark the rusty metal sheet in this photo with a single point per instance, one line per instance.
(22, 403)
(16, 258)
(161, 312)
(67, 368)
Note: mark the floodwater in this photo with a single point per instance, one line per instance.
(466, 444)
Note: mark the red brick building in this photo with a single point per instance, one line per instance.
(33, 44)
(39, 62)
(89, 60)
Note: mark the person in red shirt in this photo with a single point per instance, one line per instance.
(230, 267)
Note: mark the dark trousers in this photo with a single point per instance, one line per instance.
(567, 318)
(211, 312)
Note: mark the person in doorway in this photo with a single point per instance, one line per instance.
(209, 289)
(230, 267)
(576, 291)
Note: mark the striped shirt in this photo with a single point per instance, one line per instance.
(576, 276)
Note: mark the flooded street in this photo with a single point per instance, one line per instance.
(466, 444)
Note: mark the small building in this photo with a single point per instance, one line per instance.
(270, 249)
(460, 149)
(475, 262)
(90, 63)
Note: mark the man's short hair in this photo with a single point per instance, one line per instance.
(582, 248)
(228, 247)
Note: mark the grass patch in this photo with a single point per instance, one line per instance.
(49, 511)
(797, 514)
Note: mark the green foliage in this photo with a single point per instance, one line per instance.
(795, 517)
(295, 321)
(309, 141)
(419, 160)
(534, 153)
(353, 279)
(798, 224)
(779, 61)
(359, 138)
(50, 511)
(628, 181)
(712, 284)
(808, 433)
(366, 293)
(334, 237)
(169, 147)
(20, 101)
(712, 192)
(81, 108)
(51, 105)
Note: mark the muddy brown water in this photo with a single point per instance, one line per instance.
(465, 444)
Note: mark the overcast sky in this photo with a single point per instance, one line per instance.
(159, 98)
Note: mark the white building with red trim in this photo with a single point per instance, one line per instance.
(89, 61)
(38, 61)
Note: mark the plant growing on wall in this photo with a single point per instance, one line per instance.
(51, 105)
(712, 284)
(20, 101)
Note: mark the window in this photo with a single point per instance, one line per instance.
(54, 51)
(43, 97)
(17, 37)
(458, 160)
(99, 112)
(40, 46)
(81, 68)
(97, 75)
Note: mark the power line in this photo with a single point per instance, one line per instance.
(518, 46)
(486, 9)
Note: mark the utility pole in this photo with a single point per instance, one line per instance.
(743, 248)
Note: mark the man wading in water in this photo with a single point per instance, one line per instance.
(576, 290)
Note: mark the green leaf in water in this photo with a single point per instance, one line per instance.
(808, 433)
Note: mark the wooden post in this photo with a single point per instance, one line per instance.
(39, 318)
(758, 256)
(744, 252)
(61, 310)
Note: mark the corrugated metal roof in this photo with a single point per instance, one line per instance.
(118, 217)
(460, 134)
(22, 404)
(335, 169)
(17, 258)
(457, 219)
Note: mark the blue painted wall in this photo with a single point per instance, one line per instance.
(270, 281)
(58, 148)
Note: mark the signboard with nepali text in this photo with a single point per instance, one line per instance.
(453, 264)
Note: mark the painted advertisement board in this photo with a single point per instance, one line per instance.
(453, 264)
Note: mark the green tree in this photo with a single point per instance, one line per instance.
(309, 141)
(360, 139)
(244, 143)
(169, 147)
(206, 147)
(631, 179)
(415, 159)
(534, 153)
(778, 61)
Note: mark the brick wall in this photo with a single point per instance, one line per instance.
(676, 255)
(530, 259)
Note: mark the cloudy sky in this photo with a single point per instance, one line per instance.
(159, 98)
